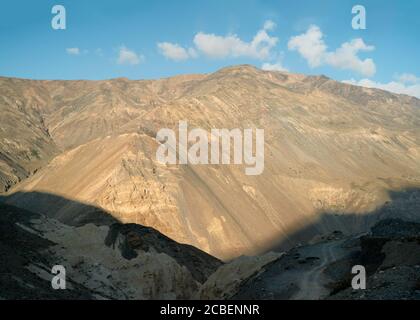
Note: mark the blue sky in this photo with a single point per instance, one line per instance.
(153, 39)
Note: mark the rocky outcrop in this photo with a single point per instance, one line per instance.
(101, 262)
(226, 281)
(131, 238)
(391, 256)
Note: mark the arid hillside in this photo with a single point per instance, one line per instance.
(330, 148)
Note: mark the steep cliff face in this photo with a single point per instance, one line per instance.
(329, 148)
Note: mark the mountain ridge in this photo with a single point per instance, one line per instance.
(329, 146)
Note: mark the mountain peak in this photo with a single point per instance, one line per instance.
(239, 68)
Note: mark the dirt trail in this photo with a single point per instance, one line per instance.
(311, 286)
(298, 275)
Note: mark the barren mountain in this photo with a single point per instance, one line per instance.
(330, 149)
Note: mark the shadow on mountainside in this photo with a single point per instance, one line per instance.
(20, 249)
(403, 204)
(20, 246)
(320, 265)
(70, 212)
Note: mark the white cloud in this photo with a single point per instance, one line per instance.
(219, 47)
(346, 57)
(408, 78)
(192, 52)
(216, 46)
(274, 67)
(175, 52)
(397, 86)
(127, 56)
(73, 51)
(269, 25)
(312, 47)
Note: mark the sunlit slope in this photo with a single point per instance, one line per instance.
(329, 148)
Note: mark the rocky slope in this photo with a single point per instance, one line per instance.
(129, 261)
(101, 262)
(390, 252)
(391, 255)
(25, 142)
(330, 148)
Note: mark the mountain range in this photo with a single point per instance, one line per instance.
(334, 153)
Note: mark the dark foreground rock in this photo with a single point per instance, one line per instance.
(101, 262)
(132, 237)
(391, 256)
